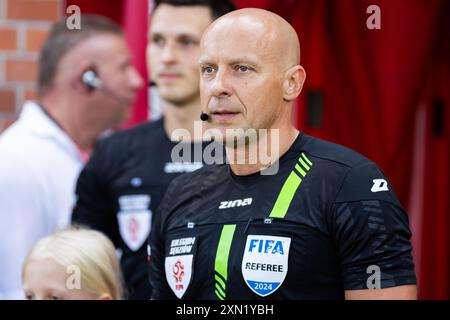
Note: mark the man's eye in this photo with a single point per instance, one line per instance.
(187, 42)
(243, 68)
(56, 298)
(207, 70)
(158, 40)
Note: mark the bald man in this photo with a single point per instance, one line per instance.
(315, 221)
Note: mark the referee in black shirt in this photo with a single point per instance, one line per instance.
(122, 185)
(316, 221)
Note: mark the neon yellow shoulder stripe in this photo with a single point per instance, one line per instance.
(290, 186)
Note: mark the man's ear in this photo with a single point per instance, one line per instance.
(293, 82)
(77, 82)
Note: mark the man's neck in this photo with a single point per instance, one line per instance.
(181, 117)
(67, 118)
(263, 153)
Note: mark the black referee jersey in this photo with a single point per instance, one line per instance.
(327, 222)
(120, 188)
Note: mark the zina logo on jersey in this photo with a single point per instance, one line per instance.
(179, 264)
(235, 203)
(265, 263)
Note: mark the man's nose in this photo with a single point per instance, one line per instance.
(136, 81)
(221, 86)
(168, 54)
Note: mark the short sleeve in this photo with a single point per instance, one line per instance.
(371, 231)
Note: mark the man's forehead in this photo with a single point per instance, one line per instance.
(175, 20)
(234, 46)
(237, 28)
(229, 57)
(237, 34)
(175, 32)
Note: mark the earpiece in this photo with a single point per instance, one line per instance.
(91, 80)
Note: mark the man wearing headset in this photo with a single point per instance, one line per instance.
(123, 183)
(86, 85)
(312, 220)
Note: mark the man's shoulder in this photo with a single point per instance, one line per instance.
(192, 187)
(198, 182)
(208, 175)
(19, 146)
(136, 135)
(24, 158)
(13, 134)
(128, 142)
(333, 152)
(360, 178)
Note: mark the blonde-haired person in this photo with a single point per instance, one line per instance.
(72, 264)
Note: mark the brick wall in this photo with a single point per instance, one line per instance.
(23, 28)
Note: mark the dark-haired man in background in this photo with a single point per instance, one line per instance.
(124, 182)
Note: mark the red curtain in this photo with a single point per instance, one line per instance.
(432, 219)
(378, 89)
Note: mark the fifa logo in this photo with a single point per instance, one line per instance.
(266, 246)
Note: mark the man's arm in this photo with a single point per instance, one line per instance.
(372, 238)
(93, 206)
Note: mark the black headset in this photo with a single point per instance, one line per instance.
(204, 116)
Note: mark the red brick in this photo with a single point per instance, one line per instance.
(35, 39)
(30, 95)
(33, 10)
(21, 70)
(7, 101)
(8, 39)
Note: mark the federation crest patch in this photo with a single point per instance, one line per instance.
(179, 264)
(265, 263)
(135, 220)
